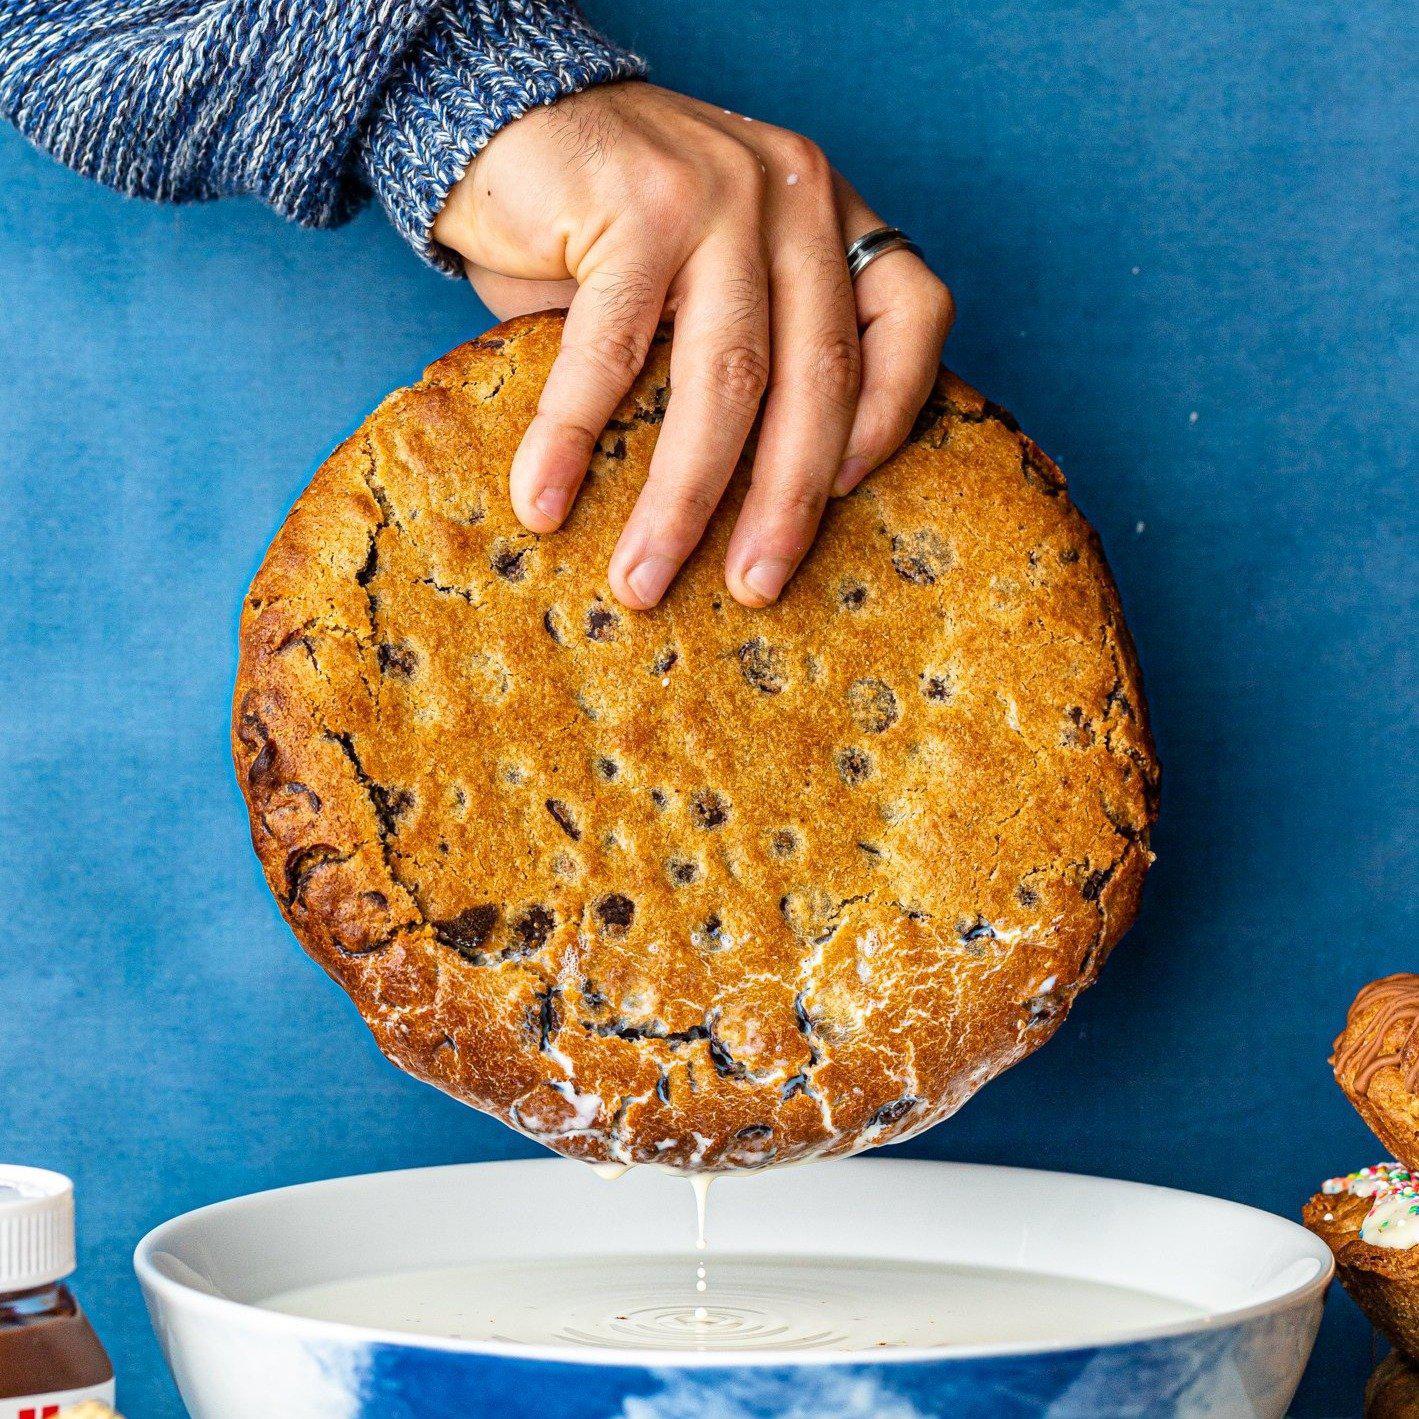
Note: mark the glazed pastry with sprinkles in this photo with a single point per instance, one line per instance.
(1393, 1218)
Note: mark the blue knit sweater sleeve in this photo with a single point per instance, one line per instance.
(307, 104)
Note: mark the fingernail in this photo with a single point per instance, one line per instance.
(853, 471)
(552, 503)
(649, 578)
(766, 579)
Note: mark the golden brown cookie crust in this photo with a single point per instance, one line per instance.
(1376, 1059)
(704, 886)
(1383, 1281)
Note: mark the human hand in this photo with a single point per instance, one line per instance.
(628, 204)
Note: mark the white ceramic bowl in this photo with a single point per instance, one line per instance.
(1254, 1281)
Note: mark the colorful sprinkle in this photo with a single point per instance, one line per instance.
(1394, 1203)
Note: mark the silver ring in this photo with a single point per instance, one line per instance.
(868, 247)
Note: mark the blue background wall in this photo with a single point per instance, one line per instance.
(1180, 238)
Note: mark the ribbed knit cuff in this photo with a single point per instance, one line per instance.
(479, 65)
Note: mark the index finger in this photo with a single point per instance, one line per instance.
(608, 331)
(718, 367)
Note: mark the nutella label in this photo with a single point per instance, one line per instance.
(48, 1406)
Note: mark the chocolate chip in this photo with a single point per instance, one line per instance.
(302, 864)
(894, 1112)
(682, 871)
(654, 413)
(602, 624)
(1069, 555)
(708, 808)
(251, 728)
(565, 821)
(1078, 732)
(852, 595)
(607, 770)
(873, 706)
(977, 930)
(937, 687)
(710, 936)
(1026, 896)
(920, 557)
(508, 563)
(755, 1133)
(552, 619)
(616, 913)
(398, 658)
(301, 790)
(784, 842)
(659, 797)
(762, 666)
(468, 932)
(262, 770)
(530, 930)
(664, 663)
(854, 766)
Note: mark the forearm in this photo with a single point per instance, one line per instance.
(291, 101)
(197, 100)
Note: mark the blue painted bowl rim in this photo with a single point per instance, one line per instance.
(167, 1291)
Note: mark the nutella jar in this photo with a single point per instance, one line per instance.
(49, 1354)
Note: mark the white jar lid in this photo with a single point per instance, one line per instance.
(36, 1228)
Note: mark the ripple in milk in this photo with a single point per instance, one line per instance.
(756, 1302)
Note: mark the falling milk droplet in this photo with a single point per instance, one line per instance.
(700, 1183)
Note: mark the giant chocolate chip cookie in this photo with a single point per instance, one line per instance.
(705, 886)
